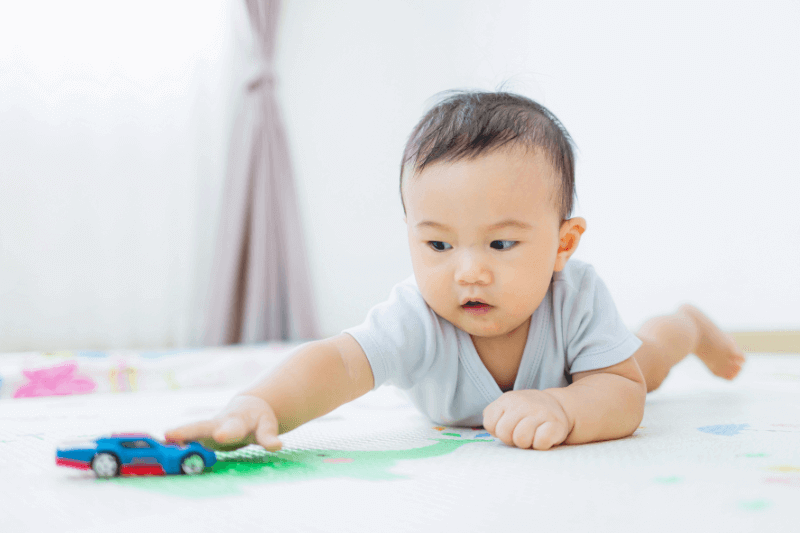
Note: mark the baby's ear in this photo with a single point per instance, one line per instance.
(569, 236)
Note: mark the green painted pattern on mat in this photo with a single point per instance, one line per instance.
(754, 505)
(259, 466)
(668, 479)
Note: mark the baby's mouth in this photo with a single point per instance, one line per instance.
(476, 308)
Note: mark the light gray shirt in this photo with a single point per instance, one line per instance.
(576, 328)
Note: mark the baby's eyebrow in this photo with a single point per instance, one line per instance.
(503, 224)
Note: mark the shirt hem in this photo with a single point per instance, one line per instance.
(377, 362)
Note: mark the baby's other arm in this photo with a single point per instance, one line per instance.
(603, 404)
(314, 380)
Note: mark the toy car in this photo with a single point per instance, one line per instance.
(135, 454)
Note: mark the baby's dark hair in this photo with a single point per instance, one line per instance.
(467, 124)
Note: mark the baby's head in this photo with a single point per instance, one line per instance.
(487, 186)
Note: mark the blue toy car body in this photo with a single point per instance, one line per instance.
(136, 454)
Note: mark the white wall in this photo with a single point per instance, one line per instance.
(685, 115)
(114, 127)
(114, 123)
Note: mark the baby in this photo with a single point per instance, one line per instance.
(497, 327)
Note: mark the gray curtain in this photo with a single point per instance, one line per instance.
(260, 288)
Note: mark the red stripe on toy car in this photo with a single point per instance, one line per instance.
(73, 463)
(142, 470)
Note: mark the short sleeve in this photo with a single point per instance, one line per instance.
(399, 337)
(594, 334)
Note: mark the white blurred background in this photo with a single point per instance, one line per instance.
(115, 119)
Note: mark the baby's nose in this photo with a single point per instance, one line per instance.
(473, 269)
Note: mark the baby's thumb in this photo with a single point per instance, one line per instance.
(267, 433)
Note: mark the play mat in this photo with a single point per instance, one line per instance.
(709, 456)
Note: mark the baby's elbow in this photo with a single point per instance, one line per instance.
(641, 393)
(637, 403)
(633, 407)
(628, 426)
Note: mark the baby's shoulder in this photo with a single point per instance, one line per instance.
(575, 276)
(406, 299)
(407, 292)
(579, 290)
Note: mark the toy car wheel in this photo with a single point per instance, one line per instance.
(192, 464)
(105, 465)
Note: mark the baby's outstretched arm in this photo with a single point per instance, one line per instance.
(315, 379)
(599, 405)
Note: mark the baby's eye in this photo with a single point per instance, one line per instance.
(504, 245)
(439, 246)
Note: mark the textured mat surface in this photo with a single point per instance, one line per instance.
(709, 456)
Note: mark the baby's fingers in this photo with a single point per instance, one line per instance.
(199, 431)
(221, 434)
(267, 433)
(547, 435)
(524, 433)
(230, 430)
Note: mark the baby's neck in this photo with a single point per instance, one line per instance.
(502, 355)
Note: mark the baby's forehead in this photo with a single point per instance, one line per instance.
(492, 188)
(519, 153)
(529, 163)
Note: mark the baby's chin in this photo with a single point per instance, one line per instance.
(486, 328)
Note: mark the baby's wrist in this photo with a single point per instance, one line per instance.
(558, 398)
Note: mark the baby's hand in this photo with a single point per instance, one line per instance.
(527, 419)
(245, 420)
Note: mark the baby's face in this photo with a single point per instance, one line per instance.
(484, 229)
